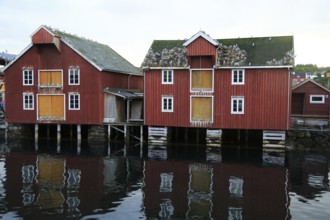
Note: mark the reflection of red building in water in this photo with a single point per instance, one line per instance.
(219, 191)
(44, 186)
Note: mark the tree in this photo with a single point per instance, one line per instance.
(306, 68)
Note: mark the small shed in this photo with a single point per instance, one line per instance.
(310, 99)
(123, 105)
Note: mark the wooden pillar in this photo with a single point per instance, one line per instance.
(246, 136)
(109, 132)
(125, 133)
(238, 136)
(141, 134)
(71, 132)
(36, 134)
(79, 134)
(47, 131)
(58, 134)
(186, 135)
(128, 110)
(197, 135)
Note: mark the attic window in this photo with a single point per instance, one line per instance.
(237, 77)
(317, 99)
(167, 77)
(74, 76)
(27, 77)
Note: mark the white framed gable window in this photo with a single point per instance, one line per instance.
(74, 101)
(238, 77)
(28, 101)
(74, 76)
(317, 99)
(237, 105)
(27, 77)
(167, 104)
(167, 76)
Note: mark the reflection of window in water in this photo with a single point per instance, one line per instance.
(28, 174)
(236, 186)
(166, 209)
(166, 180)
(316, 181)
(28, 198)
(74, 178)
(235, 213)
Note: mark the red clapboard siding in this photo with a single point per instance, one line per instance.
(266, 94)
(201, 47)
(153, 93)
(42, 37)
(92, 84)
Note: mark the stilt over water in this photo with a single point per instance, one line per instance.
(158, 135)
(273, 139)
(214, 137)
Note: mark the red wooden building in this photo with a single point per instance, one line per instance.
(60, 79)
(310, 100)
(201, 82)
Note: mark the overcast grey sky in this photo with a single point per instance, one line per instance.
(130, 26)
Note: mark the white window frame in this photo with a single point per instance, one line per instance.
(27, 107)
(74, 74)
(167, 73)
(163, 106)
(28, 72)
(236, 72)
(237, 99)
(201, 89)
(70, 99)
(317, 96)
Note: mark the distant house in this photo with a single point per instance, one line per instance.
(298, 77)
(5, 59)
(310, 99)
(60, 78)
(242, 83)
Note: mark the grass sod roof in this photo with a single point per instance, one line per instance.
(100, 54)
(262, 49)
(259, 50)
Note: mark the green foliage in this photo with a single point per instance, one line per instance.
(309, 68)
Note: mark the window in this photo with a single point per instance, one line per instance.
(237, 77)
(74, 76)
(167, 77)
(74, 101)
(167, 104)
(28, 101)
(201, 80)
(316, 99)
(237, 105)
(27, 77)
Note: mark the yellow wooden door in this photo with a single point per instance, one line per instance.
(201, 109)
(201, 79)
(53, 77)
(51, 107)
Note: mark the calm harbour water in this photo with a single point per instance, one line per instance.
(180, 182)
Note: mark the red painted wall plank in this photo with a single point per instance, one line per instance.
(266, 93)
(201, 47)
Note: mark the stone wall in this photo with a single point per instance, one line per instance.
(309, 139)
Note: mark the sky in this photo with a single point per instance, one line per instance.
(130, 26)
